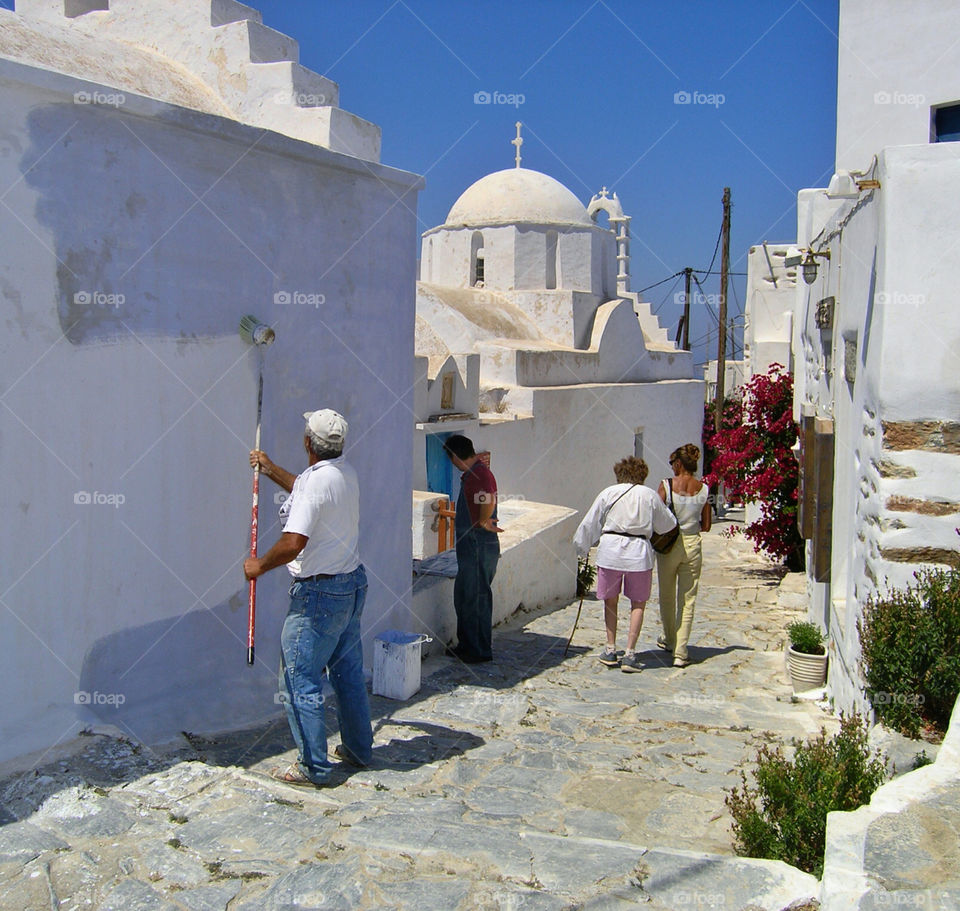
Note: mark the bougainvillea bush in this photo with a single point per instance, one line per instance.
(755, 461)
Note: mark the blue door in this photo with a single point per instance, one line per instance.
(439, 467)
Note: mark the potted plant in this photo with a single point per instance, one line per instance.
(807, 656)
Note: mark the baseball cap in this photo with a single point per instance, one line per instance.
(327, 425)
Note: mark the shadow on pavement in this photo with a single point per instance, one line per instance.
(109, 761)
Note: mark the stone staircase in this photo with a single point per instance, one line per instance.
(251, 69)
(655, 335)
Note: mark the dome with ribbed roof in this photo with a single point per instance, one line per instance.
(517, 196)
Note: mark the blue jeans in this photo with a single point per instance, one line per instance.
(320, 636)
(478, 552)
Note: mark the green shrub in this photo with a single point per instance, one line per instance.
(586, 575)
(806, 637)
(910, 643)
(784, 817)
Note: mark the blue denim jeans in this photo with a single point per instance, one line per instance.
(478, 552)
(321, 636)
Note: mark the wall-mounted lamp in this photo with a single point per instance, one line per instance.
(810, 265)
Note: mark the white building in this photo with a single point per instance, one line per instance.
(525, 318)
(876, 332)
(768, 312)
(167, 168)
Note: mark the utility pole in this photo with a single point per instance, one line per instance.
(685, 344)
(722, 320)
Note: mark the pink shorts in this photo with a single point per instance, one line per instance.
(636, 585)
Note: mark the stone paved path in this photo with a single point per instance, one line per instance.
(538, 782)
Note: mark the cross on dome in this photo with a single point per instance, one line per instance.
(518, 142)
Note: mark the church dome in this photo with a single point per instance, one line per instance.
(517, 195)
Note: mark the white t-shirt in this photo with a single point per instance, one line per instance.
(688, 508)
(325, 507)
(638, 512)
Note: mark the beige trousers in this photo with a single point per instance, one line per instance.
(678, 576)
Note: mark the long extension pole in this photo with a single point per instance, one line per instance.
(254, 519)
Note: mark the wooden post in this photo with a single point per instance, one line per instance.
(685, 344)
(722, 317)
(446, 529)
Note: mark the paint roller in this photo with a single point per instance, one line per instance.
(258, 334)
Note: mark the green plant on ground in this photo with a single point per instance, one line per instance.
(806, 637)
(910, 642)
(784, 815)
(920, 760)
(586, 575)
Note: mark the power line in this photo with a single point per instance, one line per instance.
(716, 247)
(708, 272)
(661, 282)
(706, 300)
(667, 294)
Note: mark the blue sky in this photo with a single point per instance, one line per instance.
(599, 80)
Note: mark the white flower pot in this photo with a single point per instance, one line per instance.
(807, 672)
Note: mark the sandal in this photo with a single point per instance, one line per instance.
(294, 775)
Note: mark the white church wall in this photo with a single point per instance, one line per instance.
(576, 271)
(566, 453)
(137, 244)
(886, 373)
(896, 61)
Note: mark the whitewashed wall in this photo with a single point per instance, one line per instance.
(896, 61)
(897, 465)
(566, 453)
(194, 220)
(771, 295)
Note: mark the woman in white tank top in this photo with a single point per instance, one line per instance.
(678, 570)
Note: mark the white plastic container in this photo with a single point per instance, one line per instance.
(396, 663)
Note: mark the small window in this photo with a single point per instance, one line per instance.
(446, 391)
(946, 123)
(551, 260)
(476, 258)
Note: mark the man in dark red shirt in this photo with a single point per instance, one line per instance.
(478, 551)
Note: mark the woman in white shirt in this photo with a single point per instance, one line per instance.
(678, 570)
(622, 518)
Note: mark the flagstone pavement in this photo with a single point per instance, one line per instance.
(540, 781)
